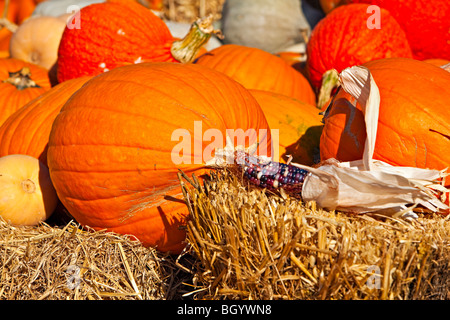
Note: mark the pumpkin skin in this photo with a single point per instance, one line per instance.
(37, 41)
(425, 23)
(103, 43)
(259, 70)
(342, 39)
(30, 85)
(28, 196)
(299, 126)
(27, 130)
(413, 126)
(111, 152)
(437, 62)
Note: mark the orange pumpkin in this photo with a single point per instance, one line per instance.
(260, 70)
(299, 126)
(117, 33)
(27, 130)
(114, 149)
(413, 125)
(425, 22)
(343, 39)
(20, 82)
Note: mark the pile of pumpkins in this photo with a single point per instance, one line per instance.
(90, 102)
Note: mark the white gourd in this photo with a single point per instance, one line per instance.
(265, 24)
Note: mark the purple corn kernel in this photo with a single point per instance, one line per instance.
(273, 175)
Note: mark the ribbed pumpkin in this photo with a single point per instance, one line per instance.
(414, 119)
(425, 22)
(260, 70)
(299, 126)
(117, 33)
(20, 82)
(27, 130)
(342, 39)
(114, 147)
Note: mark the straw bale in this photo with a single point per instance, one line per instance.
(242, 243)
(57, 263)
(251, 244)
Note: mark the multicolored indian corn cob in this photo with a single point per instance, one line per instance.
(270, 174)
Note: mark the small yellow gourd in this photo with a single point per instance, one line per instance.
(27, 195)
(37, 40)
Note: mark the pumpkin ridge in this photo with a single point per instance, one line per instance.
(207, 100)
(431, 80)
(38, 128)
(138, 195)
(145, 116)
(233, 55)
(116, 145)
(221, 94)
(339, 48)
(278, 75)
(141, 115)
(423, 109)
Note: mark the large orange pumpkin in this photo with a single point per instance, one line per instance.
(20, 82)
(343, 39)
(260, 70)
(117, 144)
(414, 118)
(117, 33)
(27, 130)
(426, 24)
(299, 126)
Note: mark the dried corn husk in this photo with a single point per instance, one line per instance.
(367, 185)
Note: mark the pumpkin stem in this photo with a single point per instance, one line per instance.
(330, 80)
(5, 23)
(186, 49)
(21, 79)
